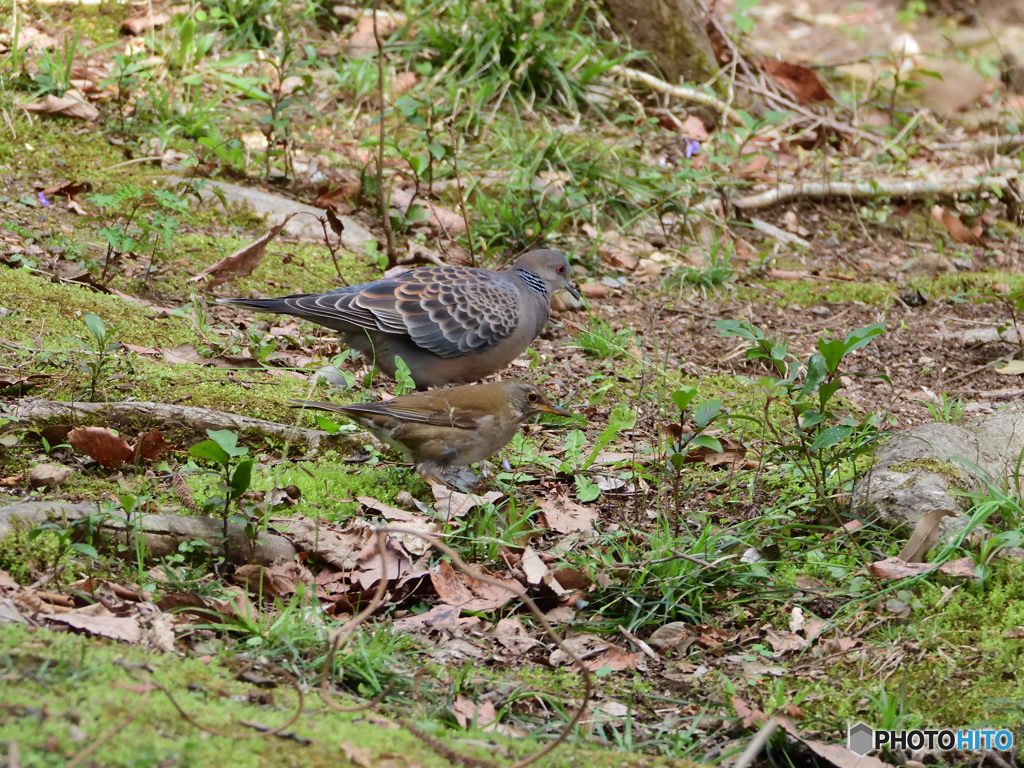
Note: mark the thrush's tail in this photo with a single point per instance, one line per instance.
(314, 405)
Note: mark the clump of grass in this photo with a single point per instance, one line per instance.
(544, 53)
(599, 340)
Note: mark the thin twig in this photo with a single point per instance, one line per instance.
(757, 744)
(450, 124)
(381, 196)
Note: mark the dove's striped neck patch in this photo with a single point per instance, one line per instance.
(533, 282)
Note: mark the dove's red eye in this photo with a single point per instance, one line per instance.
(561, 270)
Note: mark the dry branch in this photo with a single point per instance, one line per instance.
(169, 418)
(818, 190)
(658, 85)
(162, 533)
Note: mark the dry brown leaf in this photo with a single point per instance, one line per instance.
(566, 516)
(534, 568)
(71, 104)
(456, 504)
(103, 623)
(837, 754)
(361, 756)
(926, 533)
(801, 81)
(187, 353)
(12, 481)
(338, 546)
(615, 658)
(956, 228)
(694, 128)
(139, 24)
(403, 82)
(595, 290)
(242, 262)
(280, 579)
(894, 568)
(785, 642)
(107, 448)
(788, 274)
(471, 595)
(152, 445)
(751, 717)
(469, 714)
(511, 633)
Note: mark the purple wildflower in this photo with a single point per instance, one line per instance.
(43, 200)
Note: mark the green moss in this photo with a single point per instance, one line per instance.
(955, 477)
(956, 654)
(58, 312)
(42, 142)
(94, 685)
(805, 293)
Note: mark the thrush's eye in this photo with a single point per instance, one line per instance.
(533, 397)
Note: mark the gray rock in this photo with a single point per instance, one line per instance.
(48, 476)
(275, 208)
(930, 467)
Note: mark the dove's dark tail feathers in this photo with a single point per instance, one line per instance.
(277, 306)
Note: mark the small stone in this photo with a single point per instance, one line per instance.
(48, 476)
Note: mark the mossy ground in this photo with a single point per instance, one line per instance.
(959, 638)
(71, 691)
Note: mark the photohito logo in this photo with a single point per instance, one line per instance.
(862, 738)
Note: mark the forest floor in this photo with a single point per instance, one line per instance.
(688, 534)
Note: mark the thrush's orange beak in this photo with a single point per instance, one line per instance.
(553, 409)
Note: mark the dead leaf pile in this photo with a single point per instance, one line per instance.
(110, 450)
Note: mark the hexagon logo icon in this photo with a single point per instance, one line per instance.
(861, 738)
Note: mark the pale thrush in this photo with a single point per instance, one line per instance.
(448, 428)
(448, 324)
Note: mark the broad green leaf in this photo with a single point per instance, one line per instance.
(241, 478)
(96, 327)
(817, 370)
(209, 450)
(706, 441)
(86, 549)
(706, 412)
(831, 437)
(682, 397)
(227, 440)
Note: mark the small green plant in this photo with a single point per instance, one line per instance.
(798, 415)
(740, 16)
(100, 348)
(685, 439)
(233, 477)
(403, 377)
(911, 12)
(715, 273)
(77, 536)
(137, 222)
(947, 410)
(55, 68)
